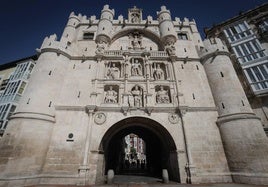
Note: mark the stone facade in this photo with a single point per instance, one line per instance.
(107, 78)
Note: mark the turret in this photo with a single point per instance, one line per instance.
(245, 143)
(166, 27)
(69, 31)
(226, 88)
(31, 125)
(105, 25)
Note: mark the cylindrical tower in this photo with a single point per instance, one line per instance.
(70, 31)
(105, 25)
(31, 126)
(244, 140)
(166, 27)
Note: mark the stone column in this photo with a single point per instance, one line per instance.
(83, 170)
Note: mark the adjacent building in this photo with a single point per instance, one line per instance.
(105, 78)
(246, 36)
(14, 77)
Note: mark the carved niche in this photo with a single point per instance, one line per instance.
(136, 97)
(162, 94)
(113, 70)
(111, 94)
(137, 67)
(135, 41)
(158, 72)
(134, 15)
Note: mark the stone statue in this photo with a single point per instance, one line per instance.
(170, 48)
(137, 95)
(136, 40)
(162, 96)
(100, 47)
(135, 18)
(110, 96)
(113, 72)
(158, 73)
(136, 68)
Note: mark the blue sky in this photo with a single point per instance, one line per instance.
(25, 23)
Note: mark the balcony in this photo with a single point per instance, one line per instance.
(120, 53)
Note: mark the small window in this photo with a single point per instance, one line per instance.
(88, 36)
(182, 36)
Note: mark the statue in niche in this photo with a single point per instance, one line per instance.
(113, 72)
(162, 96)
(158, 73)
(135, 18)
(137, 97)
(136, 68)
(100, 47)
(170, 48)
(110, 96)
(136, 39)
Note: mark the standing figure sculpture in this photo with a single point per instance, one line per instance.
(110, 96)
(113, 72)
(162, 96)
(158, 73)
(137, 95)
(136, 68)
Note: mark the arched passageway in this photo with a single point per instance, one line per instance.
(160, 148)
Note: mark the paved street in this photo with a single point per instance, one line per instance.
(141, 181)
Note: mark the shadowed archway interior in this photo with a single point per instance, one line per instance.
(160, 147)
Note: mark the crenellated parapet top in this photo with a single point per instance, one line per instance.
(121, 20)
(213, 47)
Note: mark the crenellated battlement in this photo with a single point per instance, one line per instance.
(213, 47)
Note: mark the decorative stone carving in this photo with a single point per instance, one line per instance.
(170, 48)
(162, 96)
(100, 47)
(135, 40)
(110, 96)
(158, 73)
(136, 98)
(113, 72)
(173, 118)
(100, 118)
(136, 68)
(135, 15)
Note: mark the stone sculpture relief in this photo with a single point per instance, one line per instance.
(158, 73)
(110, 96)
(136, 68)
(136, 98)
(162, 96)
(170, 48)
(135, 18)
(113, 72)
(135, 40)
(100, 47)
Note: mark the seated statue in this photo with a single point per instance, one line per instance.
(110, 96)
(162, 96)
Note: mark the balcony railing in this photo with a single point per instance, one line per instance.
(114, 53)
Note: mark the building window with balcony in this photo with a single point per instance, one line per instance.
(238, 31)
(248, 51)
(258, 77)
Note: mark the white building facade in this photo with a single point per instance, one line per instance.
(106, 78)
